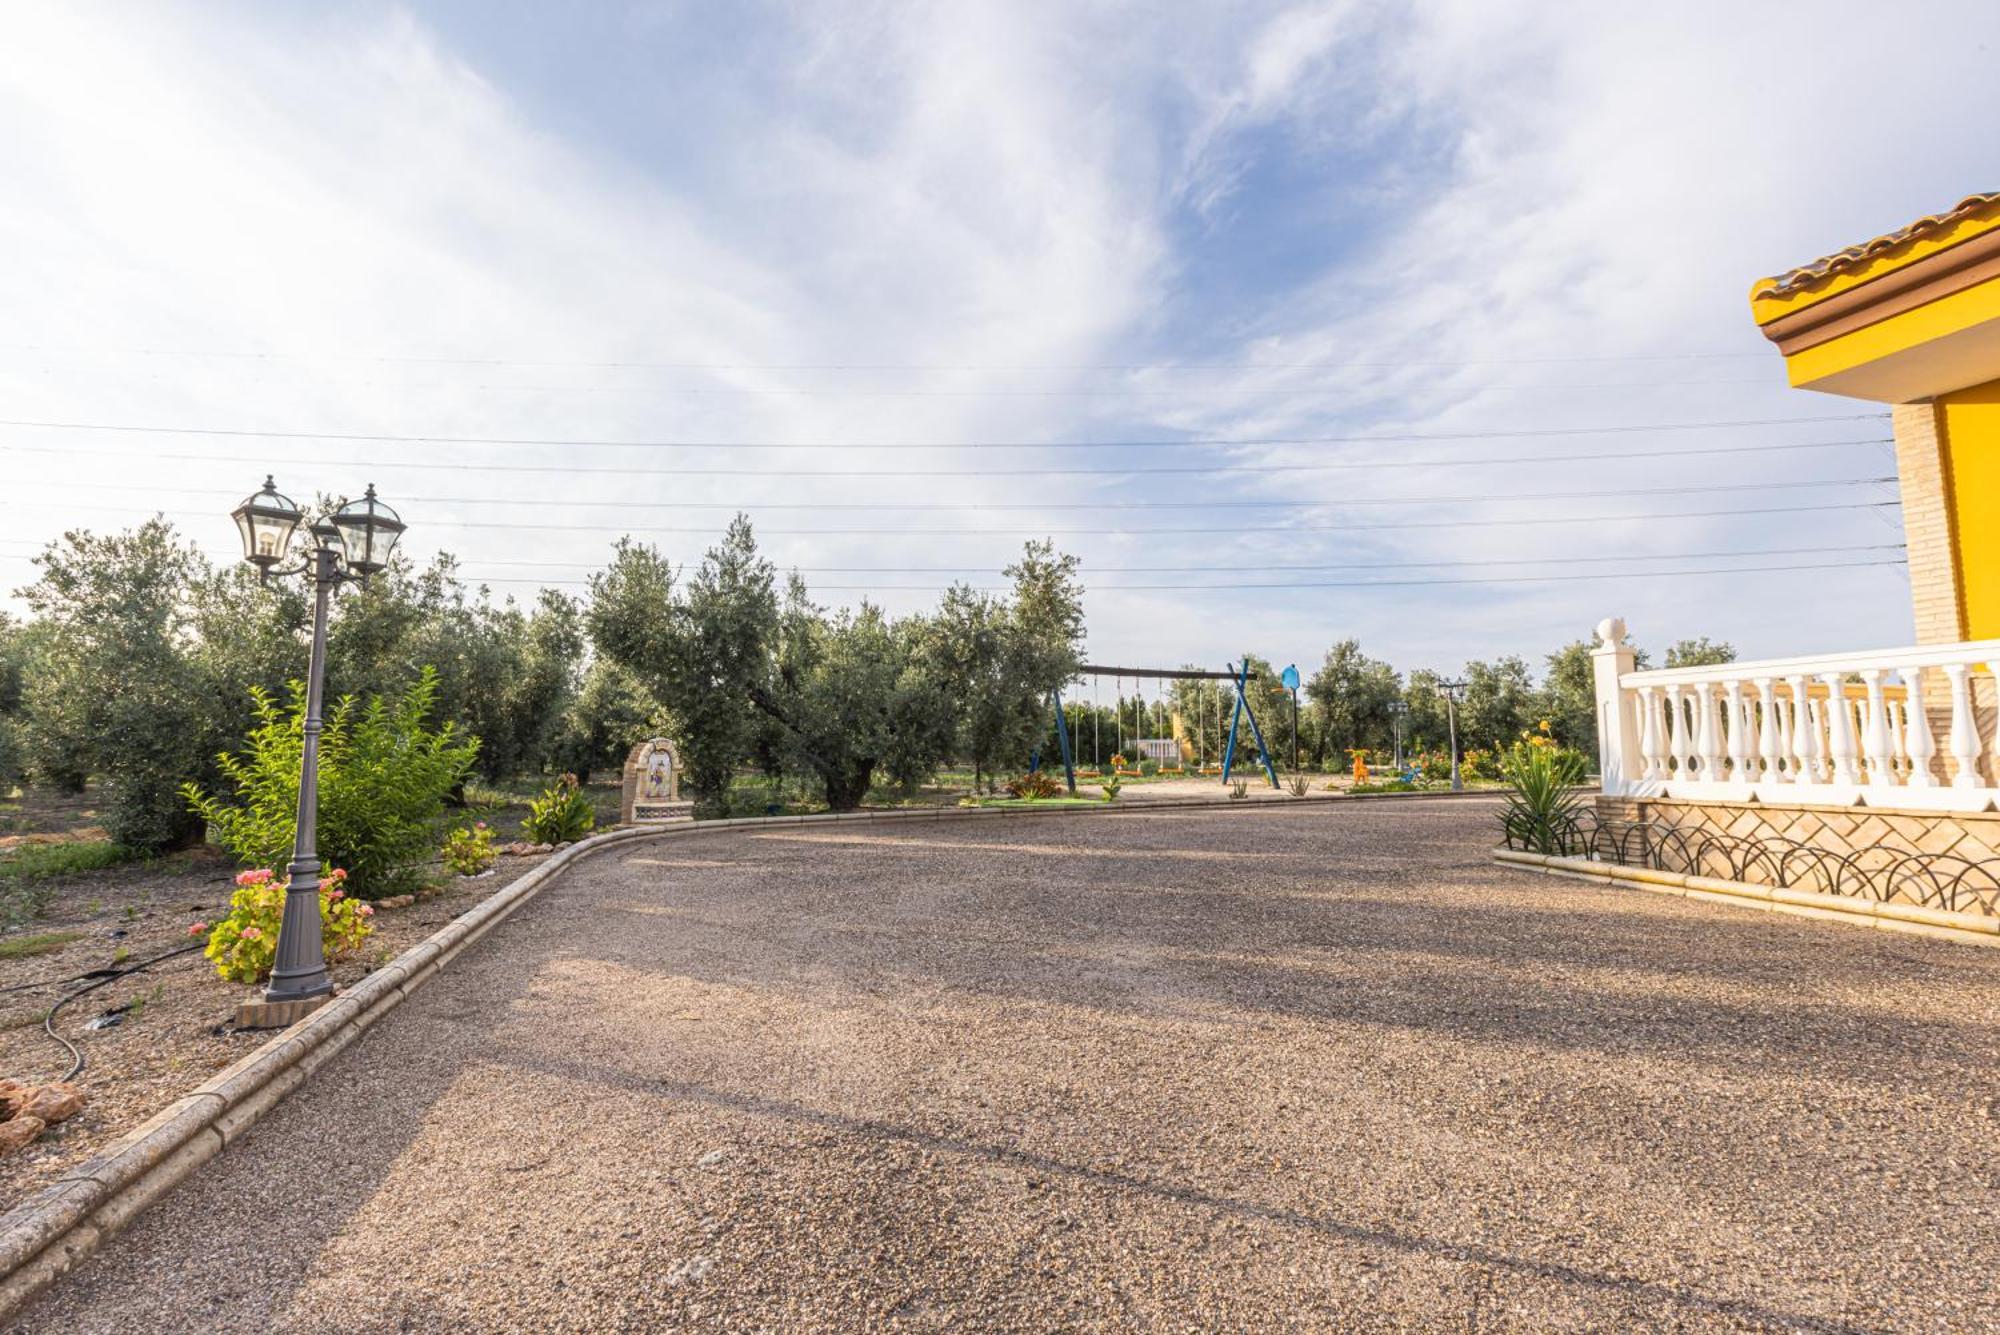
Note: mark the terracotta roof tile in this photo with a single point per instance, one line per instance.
(1844, 261)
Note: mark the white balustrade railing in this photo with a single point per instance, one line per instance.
(1840, 729)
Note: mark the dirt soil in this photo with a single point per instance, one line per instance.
(174, 1020)
(1319, 1067)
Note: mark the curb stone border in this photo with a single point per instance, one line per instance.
(1971, 929)
(49, 1233)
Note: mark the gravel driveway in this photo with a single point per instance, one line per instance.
(1324, 1067)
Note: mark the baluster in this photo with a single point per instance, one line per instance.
(1964, 739)
(1769, 746)
(1739, 748)
(1805, 735)
(1899, 737)
(1841, 749)
(1706, 741)
(1649, 733)
(1875, 733)
(1677, 733)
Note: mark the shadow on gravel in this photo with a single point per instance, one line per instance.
(1428, 1248)
(1379, 963)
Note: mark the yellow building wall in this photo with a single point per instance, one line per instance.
(1972, 452)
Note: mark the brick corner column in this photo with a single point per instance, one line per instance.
(1937, 602)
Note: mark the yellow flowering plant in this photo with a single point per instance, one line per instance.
(1543, 792)
(244, 946)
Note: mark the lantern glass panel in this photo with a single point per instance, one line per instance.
(266, 523)
(368, 532)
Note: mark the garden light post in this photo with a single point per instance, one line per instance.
(1398, 711)
(1452, 691)
(352, 544)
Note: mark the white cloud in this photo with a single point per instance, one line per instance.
(980, 188)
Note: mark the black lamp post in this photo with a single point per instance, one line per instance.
(352, 544)
(1452, 691)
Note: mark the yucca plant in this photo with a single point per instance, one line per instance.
(1543, 793)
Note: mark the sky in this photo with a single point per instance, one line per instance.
(1421, 324)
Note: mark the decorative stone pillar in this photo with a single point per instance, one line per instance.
(1619, 758)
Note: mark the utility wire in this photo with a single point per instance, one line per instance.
(975, 507)
(266, 462)
(1185, 443)
(877, 531)
(1321, 584)
(475, 575)
(294, 355)
(878, 392)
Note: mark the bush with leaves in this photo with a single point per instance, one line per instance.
(561, 815)
(1543, 793)
(383, 780)
(469, 849)
(244, 945)
(1033, 787)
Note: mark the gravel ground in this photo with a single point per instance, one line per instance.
(1325, 1067)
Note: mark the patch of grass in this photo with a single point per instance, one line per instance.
(1004, 802)
(35, 862)
(41, 943)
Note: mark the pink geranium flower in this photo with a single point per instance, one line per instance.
(365, 910)
(196, 929)
(252, 934)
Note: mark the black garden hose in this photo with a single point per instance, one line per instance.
(98, 978)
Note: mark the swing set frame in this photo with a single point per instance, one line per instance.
(1238, 675)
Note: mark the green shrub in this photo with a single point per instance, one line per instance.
(469, 850)
(561, 815)
(1543, 797)
(244, 945)
(1239, 789)
(40, 862)
(383, 780)
(1033, 787)
(13, 760)
(1110, 787)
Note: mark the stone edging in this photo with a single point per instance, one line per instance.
(1973, 929)
(46, 1235)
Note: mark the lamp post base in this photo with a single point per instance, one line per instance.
(277, 1014)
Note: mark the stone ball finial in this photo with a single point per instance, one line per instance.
(1611, 632)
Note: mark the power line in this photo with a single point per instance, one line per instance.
(547, 502)
(1242, 585)
(474, 574)
(879, 392)
(1017, 533)
(1313, 584)
(265, 462)
(1185, 443)
(635, 364)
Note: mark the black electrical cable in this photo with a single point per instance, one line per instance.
(49, 1020)
(1190, 442)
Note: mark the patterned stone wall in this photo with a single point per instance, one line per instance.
(1943, 859)
(1974, 837)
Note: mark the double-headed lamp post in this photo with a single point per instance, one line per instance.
(1453, 692)
(353, 543)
